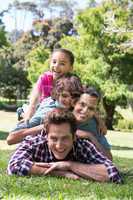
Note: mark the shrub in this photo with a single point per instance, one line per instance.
(124, 124)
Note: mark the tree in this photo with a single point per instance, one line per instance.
(104, 52)
(55, 8)
(3, 39)
(13, 81)
(37, 62)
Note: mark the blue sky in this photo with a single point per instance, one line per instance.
(9, 19)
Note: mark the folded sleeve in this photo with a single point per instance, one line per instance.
(21, 161)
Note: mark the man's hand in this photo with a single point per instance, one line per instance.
(63, 166)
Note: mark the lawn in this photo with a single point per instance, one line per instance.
(51, 188)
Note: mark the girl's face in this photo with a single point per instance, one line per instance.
(65, 99)
(60, 64)
(84, 108)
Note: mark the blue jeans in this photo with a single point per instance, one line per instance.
(29, 124)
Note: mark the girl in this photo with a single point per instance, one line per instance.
(61, 62)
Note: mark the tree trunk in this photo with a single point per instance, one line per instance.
(110, 110)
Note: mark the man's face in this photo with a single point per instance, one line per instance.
(60, 64)
(84, 108)
(60, 140)
(65, 99)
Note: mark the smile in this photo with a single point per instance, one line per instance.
(60, 152)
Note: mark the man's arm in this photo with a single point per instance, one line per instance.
(17, 136)
(88, 135)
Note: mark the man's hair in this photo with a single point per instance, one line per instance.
(67, 52)
(59, 116)
(92, 92)
(68, 82)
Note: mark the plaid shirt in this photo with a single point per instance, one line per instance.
(35, 149)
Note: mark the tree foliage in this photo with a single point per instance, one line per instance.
(38, 9)
(3, 39)
(13, 81)
(104, 52)
(37, 62)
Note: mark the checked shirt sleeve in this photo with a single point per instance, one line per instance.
(21, 161)
(95, 157)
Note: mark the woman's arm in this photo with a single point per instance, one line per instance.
(101, 124)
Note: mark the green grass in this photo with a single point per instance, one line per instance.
(3, 135)
(53, 188)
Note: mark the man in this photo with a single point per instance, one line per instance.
(59, 153)
(87, 120)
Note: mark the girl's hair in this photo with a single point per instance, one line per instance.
(68, 82)
(67, 52)
(59, 116)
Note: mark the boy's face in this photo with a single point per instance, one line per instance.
(60, 140)
(60, 64)
(65, 99)
(85, 107)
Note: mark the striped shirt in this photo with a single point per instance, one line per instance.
(35, 149)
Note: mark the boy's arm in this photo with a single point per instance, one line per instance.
(92, 138)
(37, 169)
(96, 172)
(17, 136)
(99, 172)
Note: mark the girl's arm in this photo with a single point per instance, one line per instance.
(34, 100)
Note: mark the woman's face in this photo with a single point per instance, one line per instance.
(85, 107)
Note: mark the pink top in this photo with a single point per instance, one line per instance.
(45, 84)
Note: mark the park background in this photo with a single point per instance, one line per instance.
(100, 34)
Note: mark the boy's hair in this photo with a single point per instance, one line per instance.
(92, 92)
(59, 116)
(68, 82)
(67, 52)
